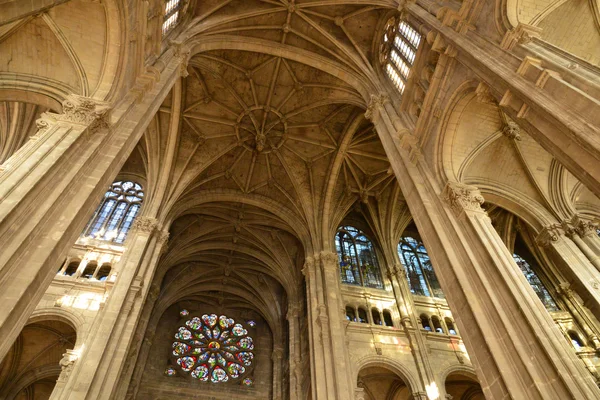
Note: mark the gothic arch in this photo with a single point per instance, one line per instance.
(387, 363)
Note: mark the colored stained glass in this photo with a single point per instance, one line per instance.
(184, 313)
(248, 382)
(251, 324)
(170, 371)
(213, 348)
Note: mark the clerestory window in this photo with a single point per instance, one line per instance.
(114, 217)
(398, 51)
(358, 262)
(535, 283)
(171, 18)
(419, 271)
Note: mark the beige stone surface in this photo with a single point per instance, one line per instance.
(257, 128)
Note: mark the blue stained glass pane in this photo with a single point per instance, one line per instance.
(101, 216)
(114, 221)
(129, 217)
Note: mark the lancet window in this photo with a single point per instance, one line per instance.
(398, 51)
(171, 18)
(419, 271)
(356, 254)
(114, 217)
(535, 283)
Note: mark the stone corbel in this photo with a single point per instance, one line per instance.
(463, 198)
(483, 93)
(66, 364)
(521, 34)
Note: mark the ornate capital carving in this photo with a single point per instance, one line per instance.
(309, 263)
(145, 224)
(583, 227)
(376, 102)
(77, 110)
(463, 198)
(512, 130)
(329, 259)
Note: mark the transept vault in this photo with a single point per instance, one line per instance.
(300, 199)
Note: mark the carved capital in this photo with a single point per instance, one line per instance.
(145, 224)
(329, 261)
(549, 234)
(463, 198)
(583, 227)
(375, 103)
(84, 111)
(512, 131)
(309, 263)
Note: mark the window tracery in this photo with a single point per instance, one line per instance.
(212, 349)
(419, 270)
(358, 262)
(535, 283)
(171, 18)
(398, 51)
(114, 217)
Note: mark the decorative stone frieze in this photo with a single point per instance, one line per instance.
(512, 130)
(145, 224)
(462, 197)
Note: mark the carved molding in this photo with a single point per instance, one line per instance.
(462, 197)
(484, 95)
(67, 363)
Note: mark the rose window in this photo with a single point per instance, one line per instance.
(212, 348)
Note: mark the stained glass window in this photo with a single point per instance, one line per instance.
(419, 271)
(398, 51)
(212, 348)
(535, 283)
(357, 259)
(114, 217)
(172, 8)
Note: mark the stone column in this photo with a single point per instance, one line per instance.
(576, 265)
(111, 339)
(277, 358)
(294, 351)
(585, 235)
(515, 346)
(50, 187)
(411, 324)
(330, 369)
